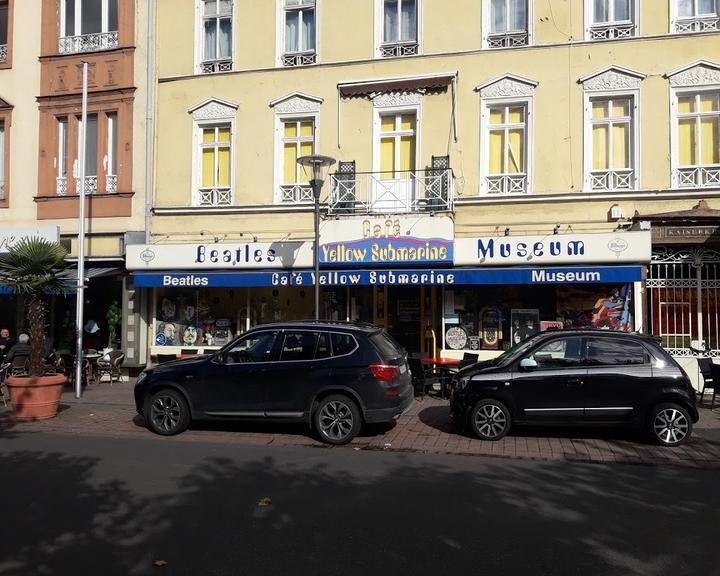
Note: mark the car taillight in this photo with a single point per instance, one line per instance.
(384, 372)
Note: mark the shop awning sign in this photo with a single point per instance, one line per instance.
(11, 236)
(553, 249)
(387, 240)
(393, 277)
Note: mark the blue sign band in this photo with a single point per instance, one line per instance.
(393, 277)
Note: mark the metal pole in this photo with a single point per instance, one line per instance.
(80, 299)
(316, 252)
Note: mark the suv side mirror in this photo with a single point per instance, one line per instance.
(220, 358)
(528, 364)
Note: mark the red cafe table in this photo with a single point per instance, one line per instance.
(445, 367)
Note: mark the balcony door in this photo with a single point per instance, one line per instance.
(393, 187)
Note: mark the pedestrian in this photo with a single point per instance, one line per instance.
(22, 348)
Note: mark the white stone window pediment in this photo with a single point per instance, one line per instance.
(612, 78)
(698, 74)
(214, 109)
(397, 99)
(507, 87)
(297, 103)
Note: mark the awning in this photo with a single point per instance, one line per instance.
(392, 277)
(397, 84)
(98, 272)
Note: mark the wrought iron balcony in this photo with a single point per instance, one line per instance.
(711, 24)
(606, 180)
(61, 186)
(212, 66)
(391, 193)
(698, 177)
(299, 58)
(91, 183)
(508, 39)
(88, 42)
(111, 183)
(506, 183)
(2, 190)
(390, 49)
(213, 197)
(611, 31)
(3, 53)
(295, 193)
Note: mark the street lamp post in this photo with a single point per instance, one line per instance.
(320, 165)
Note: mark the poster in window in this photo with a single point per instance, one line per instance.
(524, 322)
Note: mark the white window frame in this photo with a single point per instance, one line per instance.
(610, 28)
(2, 159)
(378, 113)
(486, 104)
(78, 18)
(698, 23)
(111, 176)
(200, 38)
(590, 96)
(199, 126)
(674, 140)
(379, 39)
(486, 25)
(280, 120)
(312, 55)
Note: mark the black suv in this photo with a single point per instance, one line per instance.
(335, 376)
(578, 377)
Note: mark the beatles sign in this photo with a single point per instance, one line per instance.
(387, 240)
(554, 249)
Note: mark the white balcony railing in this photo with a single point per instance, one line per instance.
(3, 53)
(213, 197)
(612, 31)
(699, 176)
(605, 180)
(506, 183)
(711, 24)
(299, 58)
(212, 66)
(61, 186)
(507, 39)
(295, 193)
(401, 192)
(111, 183)
(390, 49)
(90, 185)
(88, 42)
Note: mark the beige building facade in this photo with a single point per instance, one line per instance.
(508, 118)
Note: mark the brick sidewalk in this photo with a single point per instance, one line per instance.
(109, 411)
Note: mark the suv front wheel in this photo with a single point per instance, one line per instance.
(490, 419)
(337, 419)
(670, 424)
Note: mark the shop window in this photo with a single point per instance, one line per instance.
(253, 348)
(299, 32)
(609, 19)
(88, 25)
(299, 346)
(694, 16)
(215, 171)
(609, 352)
(698, 139)
(506, 143)
(399, 28)
(216, 36)
(506, 23)
(297, 138)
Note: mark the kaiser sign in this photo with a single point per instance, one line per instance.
(554, 249)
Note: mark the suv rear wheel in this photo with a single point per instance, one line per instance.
(337, 419)
(670, 424)
(167, 413)
(490, 419)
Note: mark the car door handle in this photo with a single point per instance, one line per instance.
(574, 383)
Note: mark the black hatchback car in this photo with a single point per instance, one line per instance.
(593, 377)
(334, 376)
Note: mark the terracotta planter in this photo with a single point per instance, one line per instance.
(35, 398)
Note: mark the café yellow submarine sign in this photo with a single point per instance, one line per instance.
(391, 240)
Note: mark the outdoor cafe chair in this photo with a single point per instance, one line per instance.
(112, 366)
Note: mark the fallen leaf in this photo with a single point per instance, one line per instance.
(264, 502)
(159, 563)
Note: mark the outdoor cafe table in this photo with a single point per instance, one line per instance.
(446, 366)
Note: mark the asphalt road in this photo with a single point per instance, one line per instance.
(75, 505)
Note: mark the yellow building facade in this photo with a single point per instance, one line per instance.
(508, 118)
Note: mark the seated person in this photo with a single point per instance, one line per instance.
(22, 348)
(5, 343)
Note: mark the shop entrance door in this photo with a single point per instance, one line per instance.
(406, 312)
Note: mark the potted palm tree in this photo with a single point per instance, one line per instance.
(33, 268)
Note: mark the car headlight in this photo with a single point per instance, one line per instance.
(140, 378)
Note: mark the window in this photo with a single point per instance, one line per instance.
(88, 25)
(611, 140)
(385, 345)
(217, 37)
(297, 139)
(299, 25)
(614, 352)
(506, 146)
(91, 154)
(323, 347)
(62, 157)
(399, 28)
(111, 157)
(507, 23)
(299, 346)
(698, 139)
(343, 344)
(215, 166)
(563, 353)
(2, 160)
(397, 144)
(252, 348)
(3, 31)
(608, 19)
(695, 15)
